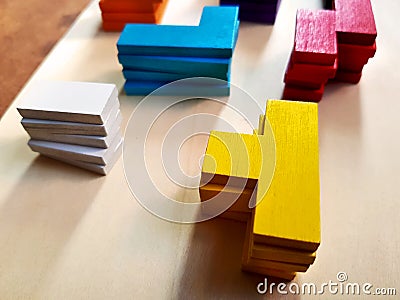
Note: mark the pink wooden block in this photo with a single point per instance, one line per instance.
(355, 22)
(315, 37)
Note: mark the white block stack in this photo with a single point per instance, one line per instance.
(75, 122)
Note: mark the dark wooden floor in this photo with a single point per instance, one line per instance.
(28, 31)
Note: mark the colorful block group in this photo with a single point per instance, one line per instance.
(74, 122)
(283, 230)
(259, 11)
(154, 55)
(329, 45)
(314, 57)
(117, 13)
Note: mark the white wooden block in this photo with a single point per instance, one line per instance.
(75, 152)
(100, 169)
(62, 127)
(82, 102)
(77, 139)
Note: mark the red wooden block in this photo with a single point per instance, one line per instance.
(351, 63)
(303, 83)
(306, 80)
(349, 77)
(298, 94)
(355, 22)
(315, 37)
(357, 50)
(317, 70)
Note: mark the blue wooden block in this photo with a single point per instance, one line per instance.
(137, 87)
(191, 66)
(215, 36)
(162, 76)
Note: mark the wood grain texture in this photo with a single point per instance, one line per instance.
(289, 213)
(233, 154)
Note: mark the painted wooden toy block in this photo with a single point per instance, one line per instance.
(348, 76)
(192, 66)
(355, 34)
(65, 127)
(302, 93)
(74, 122)
(129, 17)
(214, 37)
(62, 101)
(116, 14)
(97, 141)
(290, 217)
(116, 6)
(355, 22)
(137, 87)
(315, 37)
(261, 251)
(168, 77)
(253, 267)
(254, 10)
(283, 230)
(76, 152)
(317, 72)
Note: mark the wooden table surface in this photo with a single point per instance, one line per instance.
(68, 234)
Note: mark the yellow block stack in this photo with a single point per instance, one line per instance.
(283, 230)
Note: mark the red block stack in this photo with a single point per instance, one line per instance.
(117, 13)
(314, 59)
(356, 34)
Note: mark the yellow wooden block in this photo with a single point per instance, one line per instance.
(250, 265)
(224, 194)
(289, 212)
(274, 253)
(241, 159)
(233, 155)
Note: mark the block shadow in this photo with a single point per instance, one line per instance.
(40, 215)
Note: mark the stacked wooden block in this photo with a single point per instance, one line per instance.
(117, 13)
(154, 55)
(330, 45)
(314, 57)
(283, 230)
(259, 11)
(356, 34)
(74, 122)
